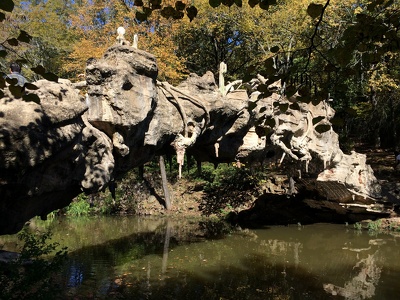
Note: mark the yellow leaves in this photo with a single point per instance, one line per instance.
(381, 79)
(289, 22)
(383, 82)
(96, 22)
(358, 10)
(362, 109)
(82, 51)
(160, 43)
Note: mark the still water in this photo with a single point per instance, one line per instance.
(142, 258)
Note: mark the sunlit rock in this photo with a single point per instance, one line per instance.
(70, 143)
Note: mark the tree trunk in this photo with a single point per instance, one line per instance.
(376, 138)
(198, 167)
(165, 183)
(141, 172)
(393, 122)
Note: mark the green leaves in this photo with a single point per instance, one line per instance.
(2, 81)
(12, 42)
(175, 12)
(264, 4)
(31, 98)
(46, 75)
(179, 5)
(19, 91)
(141, 16)
(7, 5)
(269, 66)
(16, 90)
(315, 10)
(229, 3)
(238, 3)
(138, 2)
(191, 12)
(31, 86)
(274, 49)
(290, 90)
(24, 37)
(214, 3)
(253, 3)
(168, 12)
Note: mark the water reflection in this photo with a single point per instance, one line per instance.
(168, 230)
(76, 274)
(136, 258)
(363, 284)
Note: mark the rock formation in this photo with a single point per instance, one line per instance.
(69, 143)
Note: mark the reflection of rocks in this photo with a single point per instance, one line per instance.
(363, 285)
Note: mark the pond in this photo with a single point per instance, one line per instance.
(161, 258)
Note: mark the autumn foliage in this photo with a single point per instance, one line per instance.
(346, 50)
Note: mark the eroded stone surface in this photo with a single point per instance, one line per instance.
(70, 143)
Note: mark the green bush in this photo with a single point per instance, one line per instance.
(229, 188)
(375, 226)
(33, 275)
(79, 207)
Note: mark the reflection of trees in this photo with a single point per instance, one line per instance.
(166, 246)
(279, 248)
(172, 258)
(361, 286)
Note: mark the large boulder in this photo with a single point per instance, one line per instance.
(49, 153)
(69, 143)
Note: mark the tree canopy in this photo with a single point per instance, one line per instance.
(345, 50)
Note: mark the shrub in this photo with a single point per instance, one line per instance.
(79, 207)
(32, 274)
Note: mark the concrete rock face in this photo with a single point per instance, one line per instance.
(302, 133)
(122, 96)
(69, 143)
(45, 156)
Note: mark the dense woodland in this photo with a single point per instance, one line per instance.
(344, 50)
